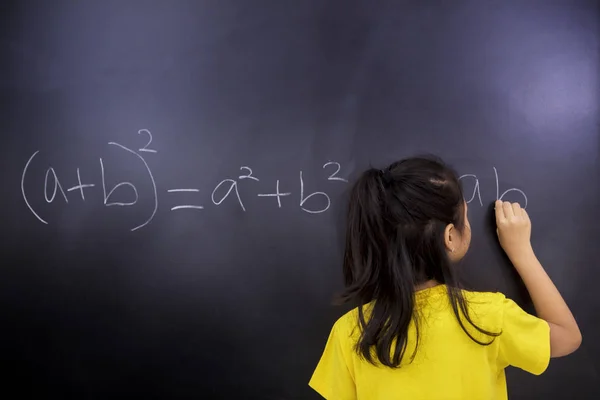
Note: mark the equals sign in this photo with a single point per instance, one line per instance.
(185, 206)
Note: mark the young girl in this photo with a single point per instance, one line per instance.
(415, 334)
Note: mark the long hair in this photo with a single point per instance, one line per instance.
(395, 241)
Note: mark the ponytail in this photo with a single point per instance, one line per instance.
(394, 242)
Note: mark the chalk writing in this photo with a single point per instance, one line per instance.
(232, 186)
(182, 190)
(477, 189)
(185, 206)
(23, 188)
(125, 194)
(80, 186)
(303, 199)
(334, 177)
(57, 185)
(249, 176)
(500, 197)
(277, 194)
(151, 180)
(145, 148)
(107, 196)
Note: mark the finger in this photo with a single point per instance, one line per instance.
(516, 209)
(508, 210)
(524, 214)
(499, 211)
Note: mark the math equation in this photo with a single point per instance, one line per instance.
(226, 188)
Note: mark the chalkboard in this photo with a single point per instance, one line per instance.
(174, 178)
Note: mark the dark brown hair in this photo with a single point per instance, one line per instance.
(395, 241)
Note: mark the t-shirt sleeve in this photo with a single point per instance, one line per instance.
(525, 339)
(334, 378)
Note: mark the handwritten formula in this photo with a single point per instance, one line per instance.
(225, 189)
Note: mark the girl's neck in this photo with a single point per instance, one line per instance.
(426, 285)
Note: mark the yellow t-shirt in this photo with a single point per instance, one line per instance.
(448, 365)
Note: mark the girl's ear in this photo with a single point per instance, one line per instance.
(449, 238)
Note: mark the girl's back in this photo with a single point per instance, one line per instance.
(414, 333)
(448, 364)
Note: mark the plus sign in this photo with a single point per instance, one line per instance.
(277, 194)
(81, 186)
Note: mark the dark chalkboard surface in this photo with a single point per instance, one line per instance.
(174, 176)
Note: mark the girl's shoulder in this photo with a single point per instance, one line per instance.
(481, 305)
(347, 325)
(493, 297)
(484, 299)
(487, 309)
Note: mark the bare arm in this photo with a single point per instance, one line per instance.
(514, 233)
